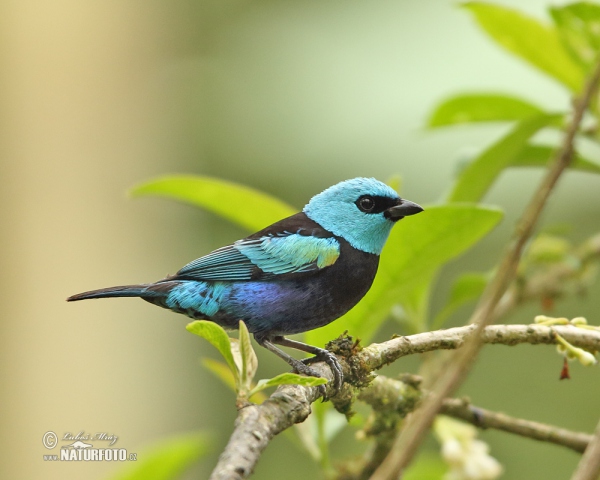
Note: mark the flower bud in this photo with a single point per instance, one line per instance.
(579, 321)
(586, 358)
(544, 320)
(452, 451)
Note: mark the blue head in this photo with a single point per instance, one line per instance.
(362, 211)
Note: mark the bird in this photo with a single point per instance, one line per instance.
(296, 275)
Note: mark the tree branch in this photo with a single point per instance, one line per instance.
(455, 371)
(482, 418)
(378, 355)
(392, 399)
(554, 280)
(589, 465)
(256, 425)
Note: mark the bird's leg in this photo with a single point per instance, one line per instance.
(297, 365)
(320, 354)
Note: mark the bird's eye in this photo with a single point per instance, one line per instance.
(366, 203)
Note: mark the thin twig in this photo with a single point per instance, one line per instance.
(455, 371)
(378, 355)
(482, 418)
(256, 425)
(391, 399)
(589, 465)
(391, 395)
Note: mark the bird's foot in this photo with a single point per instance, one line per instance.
(331, 360)
(303, 369)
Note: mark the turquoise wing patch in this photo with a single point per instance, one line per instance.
(290, 253)
(273, 255)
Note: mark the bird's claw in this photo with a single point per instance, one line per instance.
(304, 369)
(338, 374)
(331, 360)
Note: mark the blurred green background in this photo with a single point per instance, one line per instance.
(289, 97)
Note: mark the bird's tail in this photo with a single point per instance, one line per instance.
(122, 291)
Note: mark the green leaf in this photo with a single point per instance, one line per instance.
(249, 360)
(306, 437)
(288, 379)
(547, 249)
(539, 156)
(326, 424)
(427, 466)
(166, 459)
(579, 28)
(244, 206)
(466, 288)
(481, 107)
(219, 339)
(475, 180)
(234, 344)
(332, 423)
(533, 41)
(221, 371)
(418, 246)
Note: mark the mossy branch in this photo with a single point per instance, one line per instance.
(256, 425)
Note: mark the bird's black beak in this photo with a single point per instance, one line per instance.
(403, 209)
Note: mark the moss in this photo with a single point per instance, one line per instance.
(448, 344)
(357, 375)
(346, 347)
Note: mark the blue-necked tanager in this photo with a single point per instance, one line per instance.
(296, 275)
